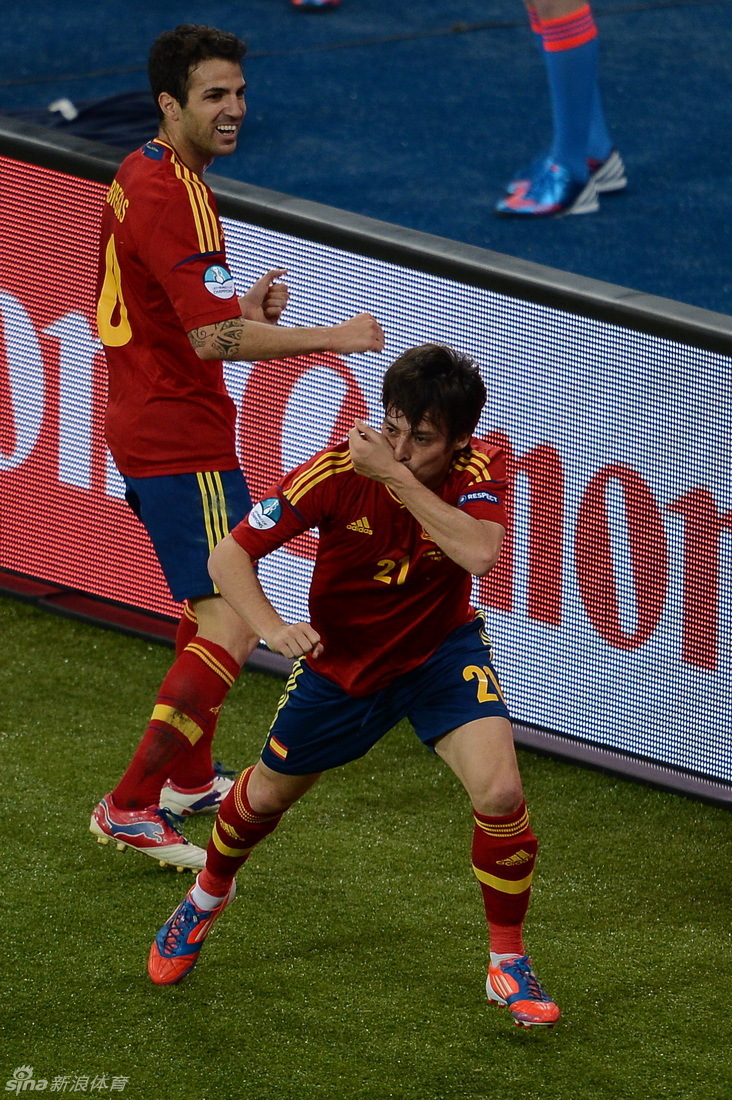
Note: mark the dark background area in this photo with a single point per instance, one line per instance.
(417, 113)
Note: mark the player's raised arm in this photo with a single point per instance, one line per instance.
(473, 543)
(240, 338)
(232, 571)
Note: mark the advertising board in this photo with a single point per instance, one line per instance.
(610, 607)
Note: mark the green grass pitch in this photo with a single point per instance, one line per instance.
(351, 964)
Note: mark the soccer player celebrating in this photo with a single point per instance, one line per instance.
(407, 516)
(168, 314)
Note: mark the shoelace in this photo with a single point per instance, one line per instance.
(179, 926)
(171, 819)
(521, 970)
(219, 769)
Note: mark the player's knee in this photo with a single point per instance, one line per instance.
(271, 793)
(496, 798)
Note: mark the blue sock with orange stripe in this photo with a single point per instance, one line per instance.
(177, 742)
(599, 141)
(237, 830)
(571, 56)
(504, 853)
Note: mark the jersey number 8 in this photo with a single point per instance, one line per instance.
(111, 302)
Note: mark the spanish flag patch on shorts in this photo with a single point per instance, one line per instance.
(278, 748)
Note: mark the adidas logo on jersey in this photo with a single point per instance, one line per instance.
(361, 525)
(515, 860)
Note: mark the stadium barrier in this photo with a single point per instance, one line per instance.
(610, 607)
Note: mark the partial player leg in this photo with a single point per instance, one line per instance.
(184, 514)
(195, 785)
(482, 756)
(176, 746)
(563, 182)
(250, 812)
(604, 163)
(178, 740)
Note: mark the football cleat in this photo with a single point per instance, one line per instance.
(514, 984)
(522, 180)
(184, 801)
(152, 832)
(551, 193)
(175, 950)
(608, 174)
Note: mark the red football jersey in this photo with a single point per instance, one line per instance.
(162, 274)
(383, 595)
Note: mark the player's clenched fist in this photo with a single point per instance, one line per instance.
(266, 299)
(362, 333)
(295, 640)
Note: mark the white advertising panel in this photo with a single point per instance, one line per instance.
(610, 607)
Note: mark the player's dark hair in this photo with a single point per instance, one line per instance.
(436, 383)
(175, 53)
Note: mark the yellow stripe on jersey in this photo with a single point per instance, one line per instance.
(329, 464)
(213, 501)
(513, 828)
(506, 886)
(210, 660)
(178, 720)
(207, 227)
(476, 464)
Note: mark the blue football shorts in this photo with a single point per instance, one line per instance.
(319, 726)
(185, 516)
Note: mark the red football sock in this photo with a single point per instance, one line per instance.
(177, 742)
(236, 831)
(187, 628)
(504, 853)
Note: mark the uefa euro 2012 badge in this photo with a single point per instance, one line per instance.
(265, 515)
(23, 1080)
(219, 281)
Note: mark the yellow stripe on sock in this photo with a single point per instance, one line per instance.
(178, 720)
(209, 659)
(514, 828)
(506, 886)
(235, 853)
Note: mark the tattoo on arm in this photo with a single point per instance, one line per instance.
(197, 338)
(224, 338)
(227, 338)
